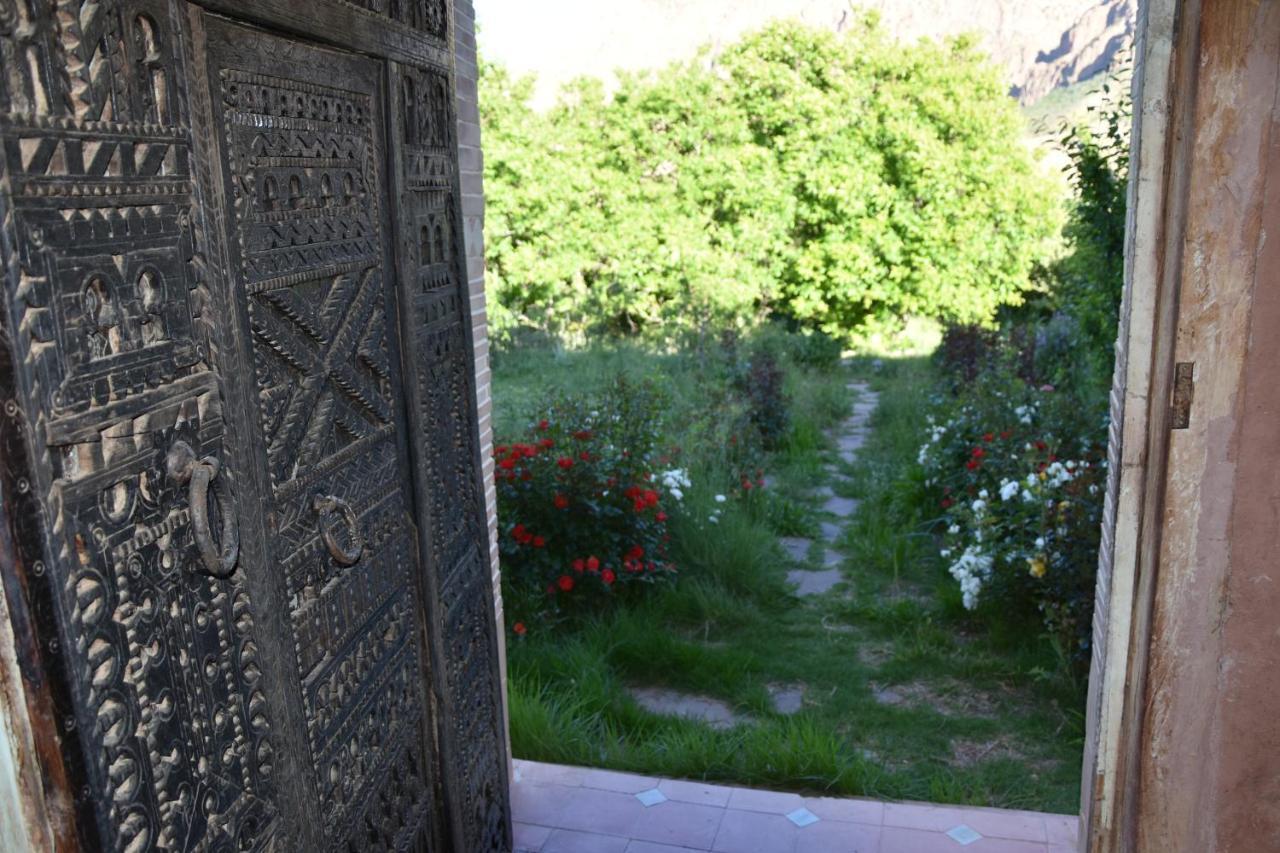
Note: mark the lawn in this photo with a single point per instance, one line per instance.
(904, 696)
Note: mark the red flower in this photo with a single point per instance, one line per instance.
(978, 453)
(593, 564)
(946, 503)
(746, 485)
(520, 629)
(1005, 435)
(526, 475)
(517, 531)
(582, 435)
(565, 462)
(561, 502)
(973, 464)
(1041, 446)
(608, 577)
(662, 516)
(988, 437)
(585, 456)
(635, 553)
(499, 450)
(650, 497)
(544, 424)
(565, 583)
(579, 564)
(507, 464)
(539, 542)
(547, 444)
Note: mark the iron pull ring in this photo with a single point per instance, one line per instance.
(201, 476)
(329, 507)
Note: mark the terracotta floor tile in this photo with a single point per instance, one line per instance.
(623, 783)
(569, 841)
(549, 774)
(994, 823)
(650, 847)
(702, 793)
(895, 839)
(539, 804)
(680, 824)
(754, 832)
(1062, 829)
(849, 810)
(922, 816)
(837, 837)
(772, 802)
(529, 837)
(605, 812)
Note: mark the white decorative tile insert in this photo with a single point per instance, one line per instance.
(651, 797)
(963, 834)
(802, 818)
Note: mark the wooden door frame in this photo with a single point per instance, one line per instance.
(1164, 95)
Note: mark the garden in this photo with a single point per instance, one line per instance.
(742, 343)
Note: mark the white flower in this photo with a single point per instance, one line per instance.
(1009, 490)
(978, 506)
(945, 552)
(953, 529)
(1031, 479)
(714, 519)
(983, 494)
(1027, 497)
(720, 499)
(1040, 543)
(971, 570)
(1093, 488)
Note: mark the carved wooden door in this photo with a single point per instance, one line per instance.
(244, 514)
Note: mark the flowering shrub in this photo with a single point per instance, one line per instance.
(1018, 473)
(583, 503)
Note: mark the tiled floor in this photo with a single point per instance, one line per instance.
(578, 810)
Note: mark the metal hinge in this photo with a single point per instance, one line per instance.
(1184, 391)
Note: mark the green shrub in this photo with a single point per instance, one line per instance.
(1018, 473)
(584, 504)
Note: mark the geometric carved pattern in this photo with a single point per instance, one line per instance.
(429, 16)
(447, 435)
(120, 339)
(164, 665)
(305, 160)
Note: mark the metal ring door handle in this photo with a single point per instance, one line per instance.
(328, 507)
(201, 476)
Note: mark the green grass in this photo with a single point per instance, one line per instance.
(984, 722)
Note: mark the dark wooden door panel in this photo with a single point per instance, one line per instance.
(249, 553)
(301, 152)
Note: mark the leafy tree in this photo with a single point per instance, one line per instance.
(842, 180)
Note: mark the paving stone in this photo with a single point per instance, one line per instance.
(852, 441)
(832, 559)
(814, 583)
(796, 548)
(673, 703)
(786, 698)
(824, 492)
(831, 531)
(843, 507)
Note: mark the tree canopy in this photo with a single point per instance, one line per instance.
(840, 180)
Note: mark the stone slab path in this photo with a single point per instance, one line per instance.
(560, 809)
(849, 437)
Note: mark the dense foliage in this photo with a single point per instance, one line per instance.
(1015, 450)
(839, 180)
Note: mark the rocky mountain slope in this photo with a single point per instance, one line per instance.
(1043, 44)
